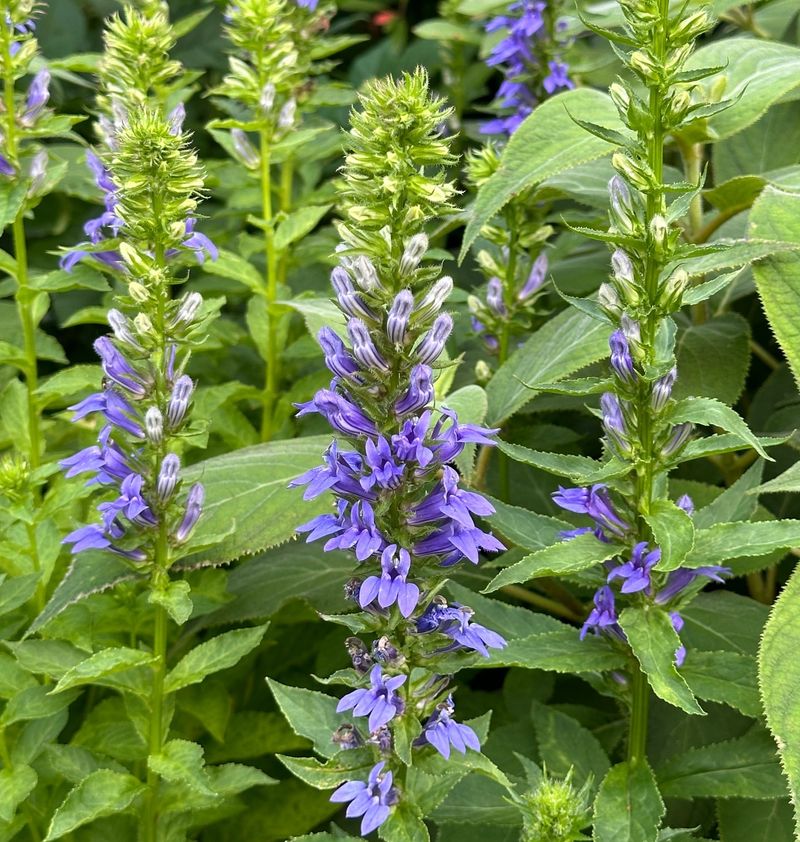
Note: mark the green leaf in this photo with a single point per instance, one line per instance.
(46, 657)
(777, 214)
(724, 620)
(346, 765)
(582, 470)
(547, 143)
(757, 74)
(569, 556)
(628, 807)
(34, 703)
(297, 224)
(15, 786)
(563, 345)
(726, 541)
(654, 643)
(103, 793)
(744, 820)
(725, 677)
(175, 599)
(181, 762)
(742, 768)
(318, 313)
(12, 198)
(565, 744)
(438, 29)
(673, 531)
(789, 481)
(737, 502)
(404, 824)
(232, 778)
(311, 714)
(524, 528)
(219, 653)
(713, 359)
(230, 265)
(17, 591)
(779, 679)
(248, 488)
(715, 414)
(101, 665)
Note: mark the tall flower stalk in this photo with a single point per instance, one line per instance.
(399, 505)
(265, 90)
(642, 432)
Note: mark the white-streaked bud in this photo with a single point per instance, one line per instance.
(142, 324)
(38, 172)
(659, 230)
(189, 308)
(608, 299)
(412, 254)
(287, 114)
(154, 425)
(267, 99)
(138, 292)
(245, 151)
(121, 327)
(365, 274)
(434, 298)
(168, 477)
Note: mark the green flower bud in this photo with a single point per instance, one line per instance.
(14, 476)
(672, 291)
(555, 811)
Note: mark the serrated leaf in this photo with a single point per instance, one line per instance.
(219, 653)
(746, 767)
(726, 541)
(568, 556)
(102, 664)
(175, 599)
(181, 762)
(103, 793)
(563, 345)
(788, 481)
(654, 642)
(725, 677)
(15, 786)
(346, 765)
(34, 703)
(297, 224)
(673, 531)
(744, 820)
(737, 502)
(628, 807)
(582, 470)
(547, 143)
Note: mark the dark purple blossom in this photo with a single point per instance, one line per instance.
(595, 502)
(662, 390)
(450, 501)
(343, 415)
(358, 532)
(455, 621)
(410, 444)
(432, 344)
(536, 278)
(442, 731)
(372, 799)
(621, 360)
(636, 571)
(380, 701)
(420, 391)
(454, 541)
(194, 508)
(677, 624)
(679, 580)
(399, 314)
(603, 617)
(117, 411)
(380, 467)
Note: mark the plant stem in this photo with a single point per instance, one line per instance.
(271, 290)
(285, 202)
(523, 594)
(156, 713)
(640, 703)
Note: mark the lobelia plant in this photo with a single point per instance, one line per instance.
(269, 91)
(399, 505)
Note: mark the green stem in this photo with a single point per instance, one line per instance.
(545, 603)
(640, 703)
(285, 199)
(156, 707)
(271, 290)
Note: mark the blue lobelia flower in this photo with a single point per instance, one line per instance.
(636, 571)
(442, 731)
(380, 701)
(392, 586)
(603, 617)
(371, 800)
(595, 502)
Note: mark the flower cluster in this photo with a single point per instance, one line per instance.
(145, 401)
(399, 505)
(529, 55)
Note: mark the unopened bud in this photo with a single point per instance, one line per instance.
(630, 171)
(287, 114)
(245, 150)
(168, 477)
(435, 297)
(643, 64)
(412, 254)
(188, 309)
(138, 292)
(609, 301)
(690, 27)
(142, 324)
(121, 328)
(658, 231)
(620, 97)
(267, 99)
(672, 291)
(154, 425)
(483, 372)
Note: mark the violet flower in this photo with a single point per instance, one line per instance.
(442, 731)
(371, 800)
(636, 571)
(380, 701)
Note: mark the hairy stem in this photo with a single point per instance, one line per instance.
(271, 290)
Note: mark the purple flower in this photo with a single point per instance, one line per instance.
(380, 701)
(613, 417)
(6, 167)
(340, 413)
(432, 344)
(194, 508)
(455, 621)
(450, 501)
(341, 473)
(636, 572)
(337, 358)
(603, 617)
(391, 586)
(311, 5)
(118, 369)
(199, 243)
(536, 278)
(442, 731)
(621, 360)
(168, 476)
(36, 100)
(420, 391)
(494, 297)
(596, 503)
(106, 460)
(677, 624)
(454, 542)
(383, 470)
(114, 407)
(450, 437)
(130, 503)
(662, 390)
(410, 443)
(372, 799)
(399, 314)
(349, 300)
(680, 435)
(179, 400)
(679, 580)
(359, 532)
(91, 537)
(557, 78)
(686, 503)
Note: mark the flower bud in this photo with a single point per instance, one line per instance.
(658, 232)
(680, 435)
(154, 425)
(412, 254)
(644, 65)
(287, 114)
(494, 297)
(399, 314)
(37, 172)
(179, 400)
(672, 292)
(609, 300)
(138, 292)
(620, 97)
(188, 309)
(432, 344)
(623, 213)
(267, 99)
(244, 149)
(435, 297)
(168, 477)
(535, 279)
(120, 325)
(194, 508)
(483, 372)
(662, 390)
(631, 171)
(366, 276)
(142, 324)
(689, 27)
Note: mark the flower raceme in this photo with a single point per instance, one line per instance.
(399, 504)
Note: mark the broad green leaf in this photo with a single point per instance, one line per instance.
(12, 198)
(744, 820)
(788, 481)
(181, 762)
(404, 824)
(34, 703)
(736, 502)
(654, 642)
(248, 489)
(233, 778)
(580, 469)
(777, 214)
(723, 443)
(723, 620)
(673, 532)
(548, 142)
(713, 358)
(219, 653)
(438, 29)
(746, 767)
(757, 74)
(311, 714)
(524, 528)
(563, 345)
(779, 679)
(318, 313)
(353, 764)
(725, 677)
(17, 591)
(568, 556)
(297, 224)
(15, 786)
(726, 541)
(101, 665)
(175, 599)
(251, 733)
(230, 265)
(715, 414)
(565, 744)
(628, 807)
(46, 657)
(729, 254)
(103, 793)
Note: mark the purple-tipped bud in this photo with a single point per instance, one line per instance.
(613, 419)
(349, 300)
(194, 508)
(37, 172)
(267, 98)
(176, 119)
(154, 425)
(535, 277)
(412, 254)
(399, 314)
(179, 400)
(686, 503)
(621, 360)
(630, 327)
(118, 369)
(365, 273)
(662, 390)
(168, 477)
(435, 297)
(364, 349)
(420, 391)
(188, 309)
(680, 435)
(245, 150)
(622, 267)
(433, 342)
(337, 357)
(121, 327)
(494, 297)
(38, 95)
(6, 168)
(287, 114)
